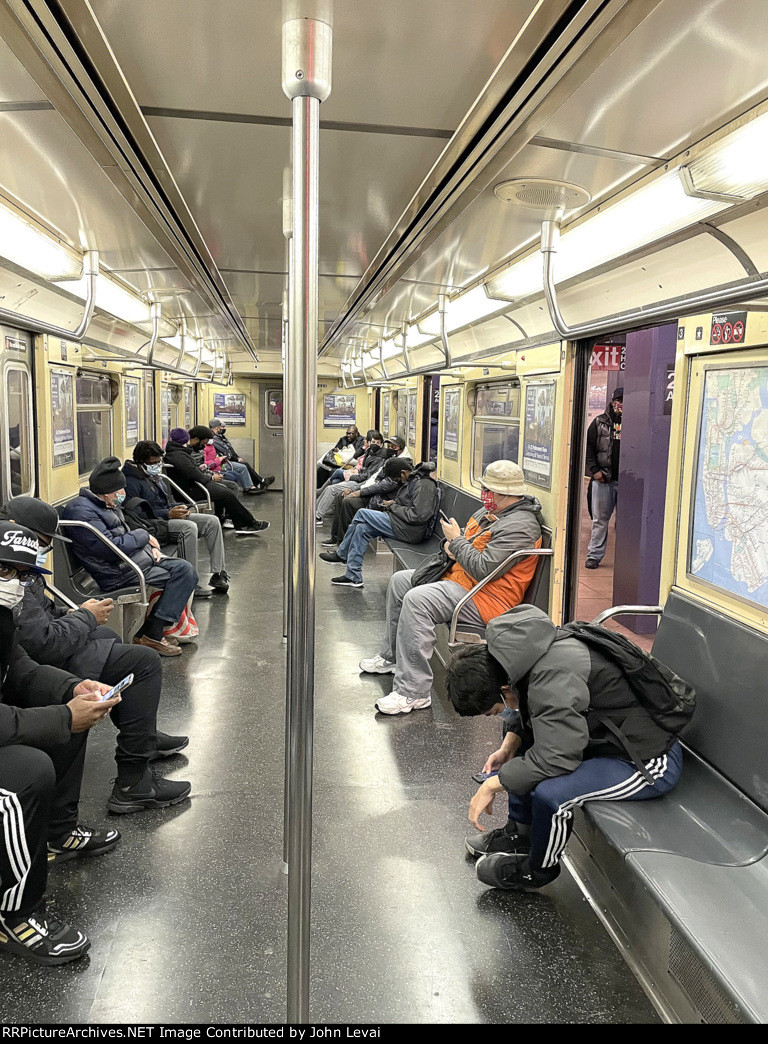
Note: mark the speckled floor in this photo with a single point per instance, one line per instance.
(187, 916)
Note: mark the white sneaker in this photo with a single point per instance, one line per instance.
(227, 525)
(397, 704)
(377, 665)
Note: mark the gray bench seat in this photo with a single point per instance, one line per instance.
(683, 880)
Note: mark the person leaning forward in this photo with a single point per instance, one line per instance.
(509, 521)
(42, 753)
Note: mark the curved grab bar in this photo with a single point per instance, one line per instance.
(60, 595)
(628, 610)
(690, 305)
(76, 523)
(442, 305)
(179, 490)
(542, 552)
(207, 495)
(91, 272)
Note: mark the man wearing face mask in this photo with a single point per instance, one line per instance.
(351, 437)
(77, 641)
(144, 479)
(369, 464)
(603, 453)
(369, 493)
(42, 753)
(408, 516)
(225, 449)
(179, 452)
(99, 505)
(509, 521)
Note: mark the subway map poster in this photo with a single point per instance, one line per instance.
(729, 545)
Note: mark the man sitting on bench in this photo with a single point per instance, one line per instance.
(508, 522)
(574, 732)
(409, 516)
(99, 505)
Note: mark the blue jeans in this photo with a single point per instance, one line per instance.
(178, 580)
(548, 808)
(237, 472)
(366, 525)
(604, 495)
(338, 476)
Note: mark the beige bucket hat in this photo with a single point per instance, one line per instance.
(505, 477)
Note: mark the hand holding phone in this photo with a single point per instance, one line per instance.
(128, 680)
(481, 777)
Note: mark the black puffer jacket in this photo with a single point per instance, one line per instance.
(54, 636)
(43, 692)
(185, 472)
(415, 505)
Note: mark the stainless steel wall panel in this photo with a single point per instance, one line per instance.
(687, 69)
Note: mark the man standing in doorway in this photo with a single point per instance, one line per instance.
(603, 450)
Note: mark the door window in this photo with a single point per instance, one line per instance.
(274, 412)
(19, 451)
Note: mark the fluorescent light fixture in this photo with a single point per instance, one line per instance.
(415, 339)
(653, 212)
(30, 248)
(190, 343)
(469, 308)
(737, 166)
(111, 298)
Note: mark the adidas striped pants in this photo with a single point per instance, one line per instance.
(548, 809)
(39, 794)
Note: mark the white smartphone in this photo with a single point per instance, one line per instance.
(117, 688)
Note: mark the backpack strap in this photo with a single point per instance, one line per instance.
(632, 753)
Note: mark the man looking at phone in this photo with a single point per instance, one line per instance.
(509, 521)
(144, 479)
(42, 752)
(77, 641)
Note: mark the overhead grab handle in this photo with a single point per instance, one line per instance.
(689, 304)
(90, 272)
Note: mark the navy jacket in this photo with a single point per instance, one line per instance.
(157, 493)
(108, 570)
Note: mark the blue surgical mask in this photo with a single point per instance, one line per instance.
(119, 498)
(41, 556)
(154, 469)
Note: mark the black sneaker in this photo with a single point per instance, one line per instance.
(41, 937)
(254, 491)
(257, 527)
(152, 791)
(81, 841)
(331, 556)
(200, 592)
(219, 582)
(328, 543)
(506, 839)
(591, 563)
(513, 873)
(167, 745)
(346, 581)
(266, 482)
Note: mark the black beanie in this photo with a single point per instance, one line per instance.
(107, 477)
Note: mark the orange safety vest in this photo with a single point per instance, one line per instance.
(499, 595)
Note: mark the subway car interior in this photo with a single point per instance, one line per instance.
(280, 242)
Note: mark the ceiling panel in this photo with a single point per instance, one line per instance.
(16, 85)
(689, 67)
(232, 178)
(393, 62)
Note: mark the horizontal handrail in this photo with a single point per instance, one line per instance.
(628, 610)
(691, 304)
(77, 524)
(541, 552)
(90, 271)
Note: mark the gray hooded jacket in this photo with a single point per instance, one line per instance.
(562, 686)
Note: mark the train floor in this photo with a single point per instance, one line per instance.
(187, 915)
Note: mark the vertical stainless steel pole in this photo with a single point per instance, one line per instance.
(307, 82)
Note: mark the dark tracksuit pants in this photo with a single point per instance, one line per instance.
(225, 502)
(135, 717)
(548, 809)
(39, 795)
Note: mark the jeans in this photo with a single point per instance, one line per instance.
(238, 473)
(548, 808)
(178, 580)
(413, 614)
(604, 495)
(208, 528)
(366, 525)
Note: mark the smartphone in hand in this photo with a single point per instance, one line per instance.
(480, 777)
(128, 680)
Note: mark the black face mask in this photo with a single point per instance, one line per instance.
(387, 453)
(221, 431)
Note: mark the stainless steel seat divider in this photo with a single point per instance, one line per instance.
(306, 82)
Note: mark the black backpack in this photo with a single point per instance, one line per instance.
(138, 515)
(432, 524)
(669, 700)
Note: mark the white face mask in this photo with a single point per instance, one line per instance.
(11, 593)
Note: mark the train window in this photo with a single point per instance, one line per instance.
(385, 402)
(274, 400)
(94, 421)
(149, 411)
(165, 413)
(402, 416)
(496, 426)
(18, 403)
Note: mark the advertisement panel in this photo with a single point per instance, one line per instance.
(538, 433)
(63, 414)
(131, 392)
(451, 416)
(229, 407)
(338, 410)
